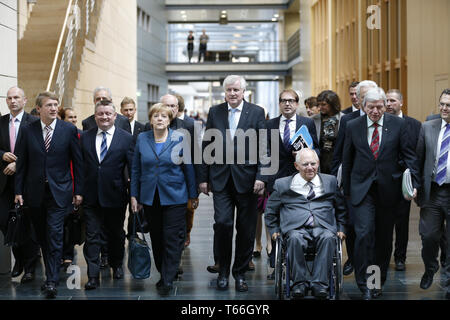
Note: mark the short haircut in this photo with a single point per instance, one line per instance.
(292, 91)
(446, 92)
(311, 102)
(365, 83)
(180, 102)
(105, 103)
(331, 98)
(20, 89)
(127, 100)
(102, 89)
(46, 95)
(160, 107)
(169, 95)
(397, 92)
(354, 84)
(232, 79)
(303, 151)
(374, 94)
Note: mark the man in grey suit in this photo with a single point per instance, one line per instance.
(307, 206)
(433, 196)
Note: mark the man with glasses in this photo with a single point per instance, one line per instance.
(434, 194)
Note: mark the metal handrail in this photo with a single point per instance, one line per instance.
(58, 48)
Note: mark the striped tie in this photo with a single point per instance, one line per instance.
(374, 145)
(443, 156)
(311, 195)
(48, 137)
(103, 147)
(287, 135)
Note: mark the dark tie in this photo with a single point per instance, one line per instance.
(443, 156)
(48, 137)
(287, 135)
(375, 144)
(311, 195)
(103, 147)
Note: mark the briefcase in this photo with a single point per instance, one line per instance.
(18, 228)
(139, 259)
(75, 228)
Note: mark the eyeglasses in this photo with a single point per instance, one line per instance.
(285, 101)
(444, 105)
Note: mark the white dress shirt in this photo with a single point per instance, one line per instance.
(371, 128)
(44, 132)
(438, 150)
(132, 126)
(17, 121)
(99, 139)
(300, 185)
(292, 126)
(237, 115)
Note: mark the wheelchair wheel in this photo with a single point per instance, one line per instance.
(336, 273)
(279, 269)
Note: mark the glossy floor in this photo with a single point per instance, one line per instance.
(196, 283)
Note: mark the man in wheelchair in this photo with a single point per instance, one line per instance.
(307, 206)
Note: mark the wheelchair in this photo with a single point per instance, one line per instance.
(282, 281)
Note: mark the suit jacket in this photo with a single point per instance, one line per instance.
(104, 183)
(360, 169)
(285, 158)
(348, 110)
(175, 182)
(287, 210)
(339, 146)
(5, 145)
(245, 174)
(34, 164)
(121, 122)
(427, 152)
(138, 128)
(433, 116)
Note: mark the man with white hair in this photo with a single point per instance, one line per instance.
(372, 179)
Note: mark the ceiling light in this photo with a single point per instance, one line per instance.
(233, 47)
(183, 12)
(223, 16)
(224, 11)
(276, 15)
(237, 35)
(274, 19)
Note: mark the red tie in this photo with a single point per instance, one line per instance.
(374, 145)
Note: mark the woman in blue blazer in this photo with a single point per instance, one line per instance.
(162, 186)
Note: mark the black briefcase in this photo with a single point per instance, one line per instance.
(75, 228)
(18, 228)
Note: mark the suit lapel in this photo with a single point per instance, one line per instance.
(91, 145)
(37, 130)
(386, 134)
(151, 143)
(435, 136)
(244, 116)
(363, 137)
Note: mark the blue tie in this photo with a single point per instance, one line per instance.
(287, 135)
(104, 147)
(443, 155)
(232, 121)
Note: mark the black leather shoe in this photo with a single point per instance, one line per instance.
(213, 269)
(17, 270)
(319, 292)
(104, 262)
(348, 268)
(299, 291)
(92, 284)
(377, 293)
(241, 285)
(427, 280)
(50, 290)
(400, 266)
(222, 283)
(367, 294)
(27, 277)
(117, 273)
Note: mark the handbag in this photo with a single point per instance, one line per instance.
(18, 229)
(75, 228)
(139, 259)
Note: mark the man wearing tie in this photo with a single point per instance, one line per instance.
(233, 185)
(433, 198)
(10, 127)
(372, 178)
(44, 181)
(106, 151)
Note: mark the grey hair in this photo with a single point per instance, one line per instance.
(105, 103)
(20, 89)
(375, 94)
(102, 89)
(232, 79)
(300, 153)
(365, 83)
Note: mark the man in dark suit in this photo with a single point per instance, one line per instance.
(102, 93)
(234, 185)
(128, 109)
(106, 151)
(44, 181)
(394, 106)
(307, 205)
(361, 90)
(353, 97)
(433, 198)
(372, 178)
(11, 126)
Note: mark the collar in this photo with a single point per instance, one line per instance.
(370, 122)
(315, 181)
(282, 118)
(354, 108)
(443, 123)
(110, 131)
(239, 107)
(52, 125)
(401, 114)
(361, 112)
(132, 122)
(182, 116)
(18, 117)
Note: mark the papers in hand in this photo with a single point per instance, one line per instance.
(407, 187)
(301, 139)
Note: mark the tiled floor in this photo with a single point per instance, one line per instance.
(197, 284)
